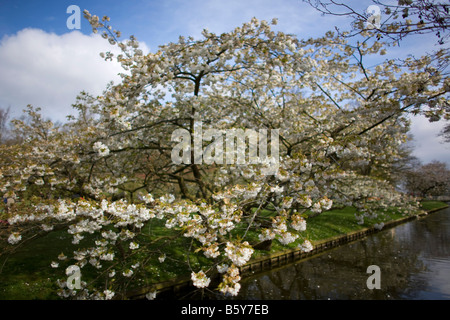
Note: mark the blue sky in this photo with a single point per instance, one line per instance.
(157, 22)
(44, 63)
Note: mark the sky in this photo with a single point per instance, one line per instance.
(46, 64)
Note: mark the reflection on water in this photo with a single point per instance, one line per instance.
(414, 259)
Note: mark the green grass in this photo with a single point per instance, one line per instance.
(338, 222)
(27, 273)
(342, 221)
(433, 205)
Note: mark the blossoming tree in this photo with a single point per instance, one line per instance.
(107, 174)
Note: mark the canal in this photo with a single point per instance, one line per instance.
(413, 260)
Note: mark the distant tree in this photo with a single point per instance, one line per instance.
(432, 179)
(403, 165)
(445, 133)
(4, 117)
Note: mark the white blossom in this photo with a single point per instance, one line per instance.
(239, 254)
(134, 245)
(200, 280)
(151, 295)
(62, 257)
(108, 294)
(306, 246)
(222, 268)
(127, 273)
(298, 223)
(379, 226)
(101, 149)
(14, 238)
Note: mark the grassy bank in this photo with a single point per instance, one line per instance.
(27, 273)
(338, 222)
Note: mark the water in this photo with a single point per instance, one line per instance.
(414, 262)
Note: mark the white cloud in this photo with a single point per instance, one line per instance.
(48, 70)
(427, 145)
